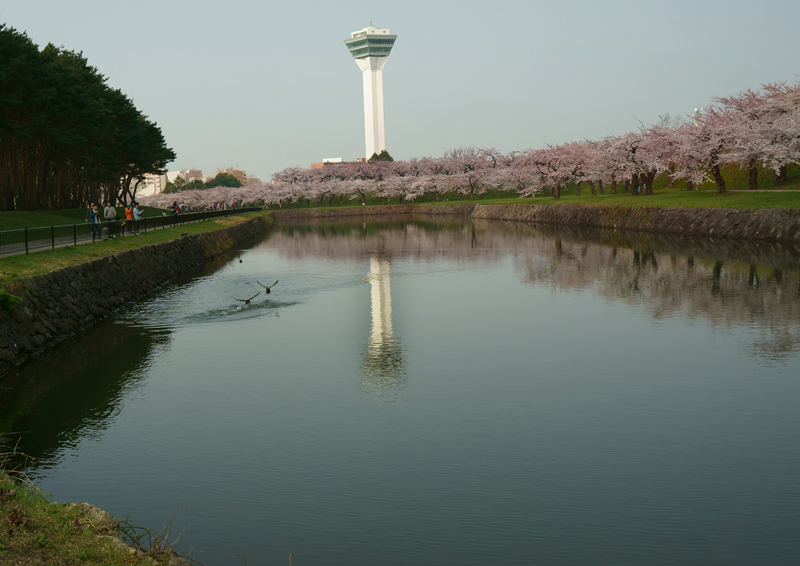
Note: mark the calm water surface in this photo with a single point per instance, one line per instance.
(442, 392)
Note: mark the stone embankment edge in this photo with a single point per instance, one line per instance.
(62, 303)
(770, 224)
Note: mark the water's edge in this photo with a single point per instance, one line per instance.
(568, 245)
(60, 304)
(771, 224)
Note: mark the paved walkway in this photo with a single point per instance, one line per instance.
(42, 245)
(63, 241)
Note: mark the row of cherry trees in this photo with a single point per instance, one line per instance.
(749, 129)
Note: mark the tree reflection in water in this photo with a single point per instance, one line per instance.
(726, 283)
(74, 391)
(384, 367)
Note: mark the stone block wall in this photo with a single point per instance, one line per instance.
(774, 224)
(316, 213)
(61, 303)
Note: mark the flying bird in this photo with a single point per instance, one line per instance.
(266, 287)
(247, 301)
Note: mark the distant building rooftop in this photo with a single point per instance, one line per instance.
(333, 161)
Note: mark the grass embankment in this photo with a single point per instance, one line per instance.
(18, 219)
(37, 263)
(665, 197)
(661, 197)
(35, 531)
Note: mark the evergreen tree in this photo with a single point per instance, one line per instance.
(223, 180)
(66, 137)
(382, 156)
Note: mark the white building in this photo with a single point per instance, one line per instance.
(149, 185)
(370, 47)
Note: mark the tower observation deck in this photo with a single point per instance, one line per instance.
(370, 47)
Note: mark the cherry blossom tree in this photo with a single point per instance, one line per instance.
(747, 129)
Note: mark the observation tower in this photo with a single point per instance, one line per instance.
(370, 47)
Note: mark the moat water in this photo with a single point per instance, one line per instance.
(436, 391)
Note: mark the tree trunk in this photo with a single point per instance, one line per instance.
(635, 184)
(600, 187)
(780, 177)
(578, 189)
(557, 191)
(753, 178)
(648, 179)
(689, 185)
(718, 178)
(613, 184)
(591, 188)
(671, 180)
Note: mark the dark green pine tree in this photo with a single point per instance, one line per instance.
(382, 156)
(66, 137)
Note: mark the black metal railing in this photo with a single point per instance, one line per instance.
(27, 240)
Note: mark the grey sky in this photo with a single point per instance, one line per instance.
(265, 85)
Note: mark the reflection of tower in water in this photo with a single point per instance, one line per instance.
(384, 371)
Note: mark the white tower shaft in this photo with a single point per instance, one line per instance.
(374, 132)
(370, 47)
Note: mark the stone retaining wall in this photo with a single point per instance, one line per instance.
(775, 224)
(61, 303)
(316, 213)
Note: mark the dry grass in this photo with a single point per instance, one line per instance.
(35, 531)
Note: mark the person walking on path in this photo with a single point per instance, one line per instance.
(109, 212)
(110, 215)
(137, 216)
(128, 218)
(94, 218)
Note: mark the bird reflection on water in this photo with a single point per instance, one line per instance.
(384, 366)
